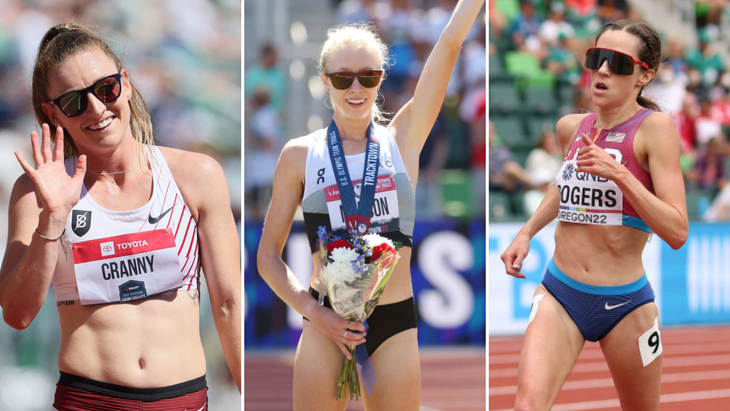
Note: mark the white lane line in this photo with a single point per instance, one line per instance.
(593, 366)
(608, 382)
(664, 399)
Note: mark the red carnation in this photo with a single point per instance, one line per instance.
(381, 248)
(338, 244)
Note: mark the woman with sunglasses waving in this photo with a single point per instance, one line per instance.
(620, 181)
(352, 63)
(121, 229)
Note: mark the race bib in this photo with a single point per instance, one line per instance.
(650, 344)
(385, 206)
(588, 199)
(126, 267)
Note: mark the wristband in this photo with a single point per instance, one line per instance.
(48, 238)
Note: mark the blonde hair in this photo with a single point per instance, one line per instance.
(356, 36)
(66, 39)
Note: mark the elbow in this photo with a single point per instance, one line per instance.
(263, 261)
(19, 322)
(679, 238)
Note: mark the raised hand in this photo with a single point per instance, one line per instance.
(56, 189)
(595, 160)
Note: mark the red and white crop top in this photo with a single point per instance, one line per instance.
(111, 256)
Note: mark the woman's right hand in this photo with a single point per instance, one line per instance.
(334, 326)
(515, 254)
(57, 191)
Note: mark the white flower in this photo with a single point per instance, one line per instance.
(340, 270)
(373, 240)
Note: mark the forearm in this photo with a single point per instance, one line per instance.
(24, 288)
(665, 220)
(545, 213)
(284, 283)
(227, 317)
(461, 21)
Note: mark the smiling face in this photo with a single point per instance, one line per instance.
(356, 102)
(102, 125)
(609, 89)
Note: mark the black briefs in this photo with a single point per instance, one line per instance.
(386, 320)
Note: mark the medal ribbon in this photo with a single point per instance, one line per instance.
(364, 366)
(357, 215)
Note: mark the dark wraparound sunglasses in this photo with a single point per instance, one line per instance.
(74, 103)
(618, 62)
(342, 80)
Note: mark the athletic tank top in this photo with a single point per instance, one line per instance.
(589, 199)
(110, 256)
(394, 206)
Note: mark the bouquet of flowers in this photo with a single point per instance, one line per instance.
(354, 274)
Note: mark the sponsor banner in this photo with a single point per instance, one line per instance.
(697, 277)
(126, 267)
(448, 274)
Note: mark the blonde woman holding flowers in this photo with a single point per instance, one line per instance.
(317, 171)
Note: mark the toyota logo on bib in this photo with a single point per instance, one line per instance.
(107, 248)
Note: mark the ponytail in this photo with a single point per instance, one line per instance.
(646, 103)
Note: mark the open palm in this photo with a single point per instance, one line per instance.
(58, 191)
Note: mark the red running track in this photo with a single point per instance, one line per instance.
(695, 373)
(451, 380)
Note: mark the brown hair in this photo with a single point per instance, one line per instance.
(650, 52)
(66, 39)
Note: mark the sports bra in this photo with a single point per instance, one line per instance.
(589, 199)
(108, 256)
(394, 206)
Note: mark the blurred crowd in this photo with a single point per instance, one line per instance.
(692, 85)
(452, 166)
(185, 56)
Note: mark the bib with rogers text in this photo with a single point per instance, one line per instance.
(385, 206)
(586, 198)
(126, 267)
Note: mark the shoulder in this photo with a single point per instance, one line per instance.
(295, 151)
(567, 126)
(658, 120)
(658, 127)
(204, 167)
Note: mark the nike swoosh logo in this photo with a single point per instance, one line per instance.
(611, 307)
(154, 220)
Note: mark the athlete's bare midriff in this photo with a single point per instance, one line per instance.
(399, 286)
(600, 255)
(148, 343)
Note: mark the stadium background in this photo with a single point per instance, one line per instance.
(536, 75)
(185, 56)
(448, 262)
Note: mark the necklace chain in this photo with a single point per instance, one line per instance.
(115, 172)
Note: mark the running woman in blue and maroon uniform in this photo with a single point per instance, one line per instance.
(121, 229)
(620, 181)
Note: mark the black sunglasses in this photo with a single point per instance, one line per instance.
(342, 80)
(618, 62)
(74, 103)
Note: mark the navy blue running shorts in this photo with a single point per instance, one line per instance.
(596, 309)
